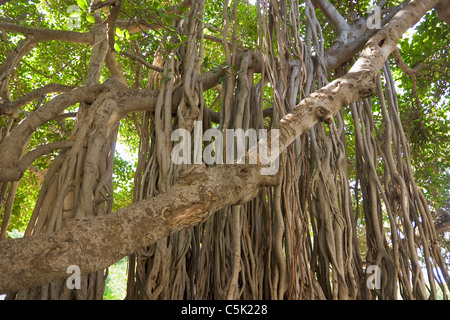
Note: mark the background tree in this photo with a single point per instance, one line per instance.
(345, 196)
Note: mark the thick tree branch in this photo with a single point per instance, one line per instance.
(47, 34)
(341, 52)
(33, 37)
(11, 108)
(13, 145)
(443, 11)
(198, 193)
(96, 243)
(37, 152)
(335, 18)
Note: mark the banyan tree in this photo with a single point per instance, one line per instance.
(354, 90)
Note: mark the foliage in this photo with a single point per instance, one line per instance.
(116, 282)
(427, 120)
(123, 182)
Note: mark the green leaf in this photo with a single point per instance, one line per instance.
(119, 33)
(134, 36)
(82, 4)
(90, 18)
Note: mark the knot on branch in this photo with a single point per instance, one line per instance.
(7, 109)
(324, 114)
(191, 174)
(442, 221)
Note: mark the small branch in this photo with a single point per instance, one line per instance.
(33, 37)
(335, 18)
(141, 60)
(136, 25)
(111, 21)
(23, 47)
(38, 173)
(381, 3)
(411, 72)
(219, 40)
(142, 25)
(37, 152)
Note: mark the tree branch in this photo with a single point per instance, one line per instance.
(37, 152)
(335, 18)
(95, 5)
(46, 257)
(11, 108)
(443, 11)
(141, 60)
(12, 146)
(339, 52)
(47, 34)
(33, 37)
(411, 72)
(142, 25)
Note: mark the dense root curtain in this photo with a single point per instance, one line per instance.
(301, 239)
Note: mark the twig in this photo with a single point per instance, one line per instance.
(141, 60)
